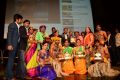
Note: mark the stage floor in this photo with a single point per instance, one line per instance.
(71, 77)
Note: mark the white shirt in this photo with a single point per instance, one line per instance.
(17, 26)
(117, 37)
(66, 36)
(18, 30)
(109, 38)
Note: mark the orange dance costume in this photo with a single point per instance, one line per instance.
(80, 63)
(68, 66)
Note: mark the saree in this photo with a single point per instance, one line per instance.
(89, 39)
(68, 66)
(30, 60)
(40, 37)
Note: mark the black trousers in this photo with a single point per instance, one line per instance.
(113, 54)
(118, 54)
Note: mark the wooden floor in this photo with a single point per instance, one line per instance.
(71, 77)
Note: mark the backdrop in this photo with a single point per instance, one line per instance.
(75, 14)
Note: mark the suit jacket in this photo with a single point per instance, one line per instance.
(63, 38)
(111, 40)
(13, 35)
(23, 37)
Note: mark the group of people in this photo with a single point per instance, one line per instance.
(50, 56)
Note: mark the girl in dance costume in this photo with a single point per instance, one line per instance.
(56, 51)
(101, 66)
(80, 61)
(67, 65)
(45, 69)
(31, 54)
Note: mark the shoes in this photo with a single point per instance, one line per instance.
(8, 78)
(27, 77)
(118, 64)
(13, 79)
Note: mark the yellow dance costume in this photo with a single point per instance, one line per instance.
(80, 63)
(68, 66)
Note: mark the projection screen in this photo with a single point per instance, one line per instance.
(74, 14)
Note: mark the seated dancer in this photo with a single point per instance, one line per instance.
(67, 65)
(45, 69)
(55, 52)
(102, 65)
(80, 61)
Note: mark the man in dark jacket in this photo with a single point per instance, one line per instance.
(23, 44)
(111, 47)
(12, 44)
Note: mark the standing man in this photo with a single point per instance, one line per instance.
(117, 43)
(65, 34)
(23, 44)
(111, 47)
(12, 44)
(53, 30)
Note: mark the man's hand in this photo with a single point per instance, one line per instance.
(10, 47)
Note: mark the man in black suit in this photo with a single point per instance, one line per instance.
(53, 30)
(65, 35)
(23, 44)
(12, 44)
(111, 47)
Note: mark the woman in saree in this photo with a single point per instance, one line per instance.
(45, 69)
(40, 36)
(101, 58)
(88, 43)
(67, 65)
(80, 62)
(78, 36)
(89, 37)
(31, 54)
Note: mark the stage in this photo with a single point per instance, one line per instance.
(71, 77)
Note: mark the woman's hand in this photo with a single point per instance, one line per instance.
(39, 41)
(47, 60)
(76, 56)
(60, 55)
(34, 41)
(41, 63)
